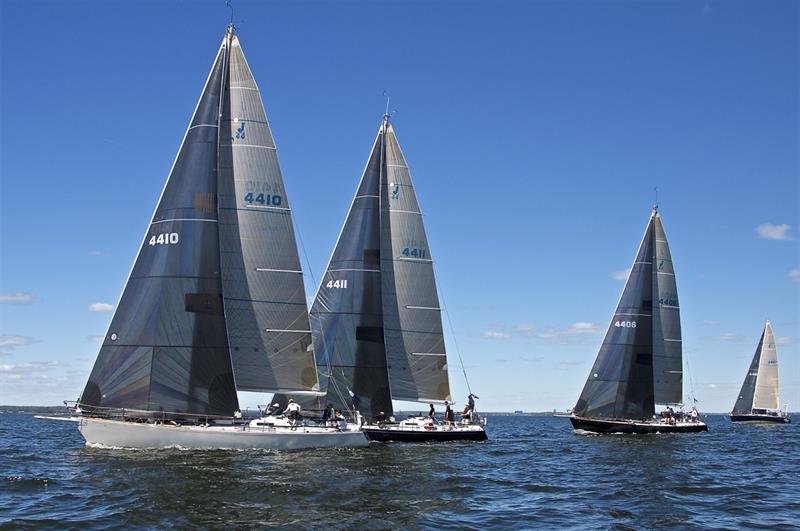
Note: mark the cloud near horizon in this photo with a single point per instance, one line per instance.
(560, 334)
(768, 231)
(621, 275)
(101, 307)
(10, 342)
(794, 275)
(16, 298)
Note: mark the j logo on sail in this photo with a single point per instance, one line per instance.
(240, 132)
(396, 190)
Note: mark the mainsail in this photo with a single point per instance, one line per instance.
(193, 297)
(760, 388)
(264, 295)
(639, 363)
(413, 336)
(376, 318)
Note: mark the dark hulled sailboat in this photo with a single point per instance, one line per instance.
(640, 361)
(215, 301)
(759, 398)
(376, 316)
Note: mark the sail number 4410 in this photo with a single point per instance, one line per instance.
(166, 238)
(625, 324)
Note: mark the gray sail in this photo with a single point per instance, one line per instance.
(264, 296)
(413, 338)
(766, 392)
(744, 402)
(347, 314)
(667, 344)
(166, 348)
(620, 384)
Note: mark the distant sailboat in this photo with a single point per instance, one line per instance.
(640, 361)
(215, 301)
(376, 317)
(759, 399)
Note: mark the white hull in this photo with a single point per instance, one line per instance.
(120, 434)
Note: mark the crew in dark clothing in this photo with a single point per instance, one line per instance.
(380, 418)
(471, 402)
(326, 414)
(432, 412)
(448, 413)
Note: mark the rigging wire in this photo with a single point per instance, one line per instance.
(452, 331)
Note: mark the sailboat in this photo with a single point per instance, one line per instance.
(376, 317)
(215, 300)
(640, 361)
(759, 400)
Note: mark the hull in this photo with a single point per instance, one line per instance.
(625, 426)
(403, 434)
(772, 419)
(120, 434)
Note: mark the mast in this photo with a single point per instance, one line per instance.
(167, 347)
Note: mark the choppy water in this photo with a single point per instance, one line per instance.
(534, 472)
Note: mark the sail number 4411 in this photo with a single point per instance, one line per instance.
(625, 324)
(336, 284)
(166, 238)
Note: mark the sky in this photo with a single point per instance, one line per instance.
(536, 133)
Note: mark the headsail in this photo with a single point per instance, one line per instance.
(265, 305)
(347, 314)
(413, 337)
(166, 348)
(621, 382)
(760, 387)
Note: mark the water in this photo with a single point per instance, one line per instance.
(534, 472)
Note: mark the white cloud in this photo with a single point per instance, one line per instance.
(101, 307)
(621, 275)
(561, 334)
(17, 298)
(794, 275)
(11, 342)
(768, 231)
(728, 337)
(95, 339)
(492, 334)
(787, 340)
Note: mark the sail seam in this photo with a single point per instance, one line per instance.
(201, 125)
(252, 146)
(183, 219)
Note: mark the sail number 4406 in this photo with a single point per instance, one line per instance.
(166, 238)
(625, 324)
(336, 284)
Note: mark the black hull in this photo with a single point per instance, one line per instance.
(397, 435)
(622, 426)
(773, 419)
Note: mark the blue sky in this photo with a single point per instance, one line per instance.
(535, 132)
